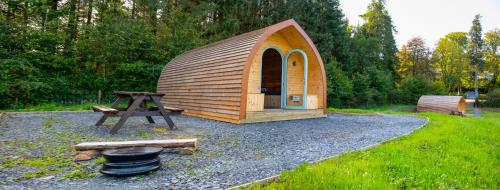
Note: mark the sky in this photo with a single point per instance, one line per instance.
(429, 19)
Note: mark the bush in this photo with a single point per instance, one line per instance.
(371, 87)
(339, 87)
(135, 76)
(493, 98)
(412, 87)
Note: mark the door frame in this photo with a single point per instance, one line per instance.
(284, 79)
(282, 63)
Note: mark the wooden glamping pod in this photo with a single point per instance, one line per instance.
(443, 104)
(274, 73)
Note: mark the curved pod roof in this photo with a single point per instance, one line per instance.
(443, 104)
(212, 81)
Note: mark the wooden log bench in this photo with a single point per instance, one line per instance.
(89, 150)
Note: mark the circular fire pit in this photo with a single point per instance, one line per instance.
(131, 161)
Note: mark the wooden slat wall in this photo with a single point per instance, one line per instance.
(442, 104)
(206, 81)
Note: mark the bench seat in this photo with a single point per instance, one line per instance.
(172, 109)
(104, 109)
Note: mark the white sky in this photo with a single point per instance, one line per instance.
(429, 19)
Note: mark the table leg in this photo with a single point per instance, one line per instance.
(150, 119)
(104, 117)
(131, 109)
(164, 113)
(102, 120)
(144, 105)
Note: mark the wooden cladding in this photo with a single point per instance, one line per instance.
(442, 104)
(206, 81)
(213, 81)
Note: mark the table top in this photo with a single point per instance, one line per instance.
(139, 93)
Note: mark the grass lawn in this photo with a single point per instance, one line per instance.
(450, 152)
(53, 107)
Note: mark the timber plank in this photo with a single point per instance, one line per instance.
(171, 143)
(216, 63)
(219, 68)
(209, 102)
(234, 99)
(219, 52)
(234, 44)
(205, 75)
(215, 59)
(214, 106)
(205, 79)
(212, 114)
(208, 70)
(206, 109)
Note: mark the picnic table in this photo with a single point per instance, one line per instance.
(137, 106)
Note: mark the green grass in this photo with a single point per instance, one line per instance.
(390, 108)
(450, 152)
(53, 107)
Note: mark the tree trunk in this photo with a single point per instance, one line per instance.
(153, 11)
(53, 8)
(495, 76)
(72, 25)
(73, 19)
(133, 9)
(25, 13)
(44, 19)
(89, 12)
(476, 85)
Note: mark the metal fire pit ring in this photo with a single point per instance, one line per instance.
(131, 161)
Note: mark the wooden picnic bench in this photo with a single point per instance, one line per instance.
(137, 106)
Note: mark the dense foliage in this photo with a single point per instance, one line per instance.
(412, 87)
(69, 50)
(493, 98)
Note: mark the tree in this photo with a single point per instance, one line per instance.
(475, 50)
(414, 58)
(378, 25)
(373, 61)
(451, 61)
(492, 55)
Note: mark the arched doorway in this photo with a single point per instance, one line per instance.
(295, 80)
(271, 78)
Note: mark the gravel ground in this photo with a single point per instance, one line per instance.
(228, 154)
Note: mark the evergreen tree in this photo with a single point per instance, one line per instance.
(475, 50)
(378, 25)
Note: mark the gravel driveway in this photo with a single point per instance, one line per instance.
(228, 154)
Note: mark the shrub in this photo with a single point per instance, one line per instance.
(493, 98)
(412, 87)
(371, 87)
(339, 86)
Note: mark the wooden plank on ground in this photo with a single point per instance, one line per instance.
(171, 143)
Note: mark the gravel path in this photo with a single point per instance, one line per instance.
(228, 154)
